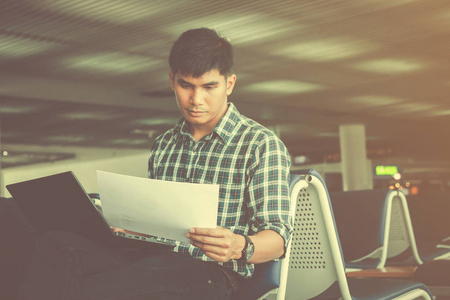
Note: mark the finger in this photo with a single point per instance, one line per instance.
(208, 240)
(212, 250)
(115, 229)
(216, 257)
(214, 232)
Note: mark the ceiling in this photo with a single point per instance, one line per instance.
(95, 73)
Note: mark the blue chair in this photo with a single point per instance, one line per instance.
(316, 266)
(404, 248)
(16, 247)
(95, 198)
(270, 278)
(378, 220)
(429, 214)
(363, 216)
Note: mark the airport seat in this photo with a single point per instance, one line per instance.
(407, 244)
(402, 246)
(15, 249)
(95, 198)
(316, 266)
(379, 220)
(363, 216)
(430, 217)
(435, 274)
(270, 278)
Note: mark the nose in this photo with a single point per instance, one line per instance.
(196, 98)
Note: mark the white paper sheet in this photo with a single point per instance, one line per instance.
(160, 208)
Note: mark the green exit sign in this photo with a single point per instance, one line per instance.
(386, 170)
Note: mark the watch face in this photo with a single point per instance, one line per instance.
(250, 251)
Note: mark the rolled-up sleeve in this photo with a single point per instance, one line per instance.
(268, 192)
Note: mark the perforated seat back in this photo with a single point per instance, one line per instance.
(399, 240)
(311, 267)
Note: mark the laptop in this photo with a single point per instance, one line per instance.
(59, 202)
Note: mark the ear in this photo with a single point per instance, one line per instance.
(231, 80)
(171, 79)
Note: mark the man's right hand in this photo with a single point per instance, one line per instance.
(115, 229)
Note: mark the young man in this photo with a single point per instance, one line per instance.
(212, 143)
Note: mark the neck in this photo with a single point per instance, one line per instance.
(198, 133)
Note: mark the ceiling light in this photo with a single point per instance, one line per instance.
(100, 116)
(239, 29)
(130, 141)
(327, 134)
(12, 46)
(111, 62)
(438, 113)
(325, 50)
(412, 107)
(283, 87)
(157, 121)
(15, 109)
(375, 100)
(388, 66)
(114, 11)
(300, 159)
(68, 138)
(150, 133)
(405, 108)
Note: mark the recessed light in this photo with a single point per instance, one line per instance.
(16, 109)
(99, 116)
(67, 138)
(239, 29)
(157, 121)
(327, 134)
(375, 100)
(12, 46)
(389, 66)
(130, 141)
(115, 62)
(283, 87)
(325, 50)
(407, 108)
(114, 11)
(438, 113)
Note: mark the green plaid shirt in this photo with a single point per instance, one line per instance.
(248, 161)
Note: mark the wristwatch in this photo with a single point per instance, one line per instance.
(248, 250)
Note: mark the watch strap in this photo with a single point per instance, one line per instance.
(248, 241)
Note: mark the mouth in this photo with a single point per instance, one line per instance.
(195, 113)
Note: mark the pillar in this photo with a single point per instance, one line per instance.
(356, 169)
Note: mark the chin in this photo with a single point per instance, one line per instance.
(196, 121)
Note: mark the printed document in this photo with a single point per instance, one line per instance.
(159, 208)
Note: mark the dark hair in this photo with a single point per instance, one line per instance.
(201, 50)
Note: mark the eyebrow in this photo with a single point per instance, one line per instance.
(182, 81)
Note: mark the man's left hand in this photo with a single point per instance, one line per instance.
(220, 243)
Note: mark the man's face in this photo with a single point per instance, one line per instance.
(202, 100)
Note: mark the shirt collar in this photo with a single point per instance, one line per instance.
(223, 129)
(228, 122)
